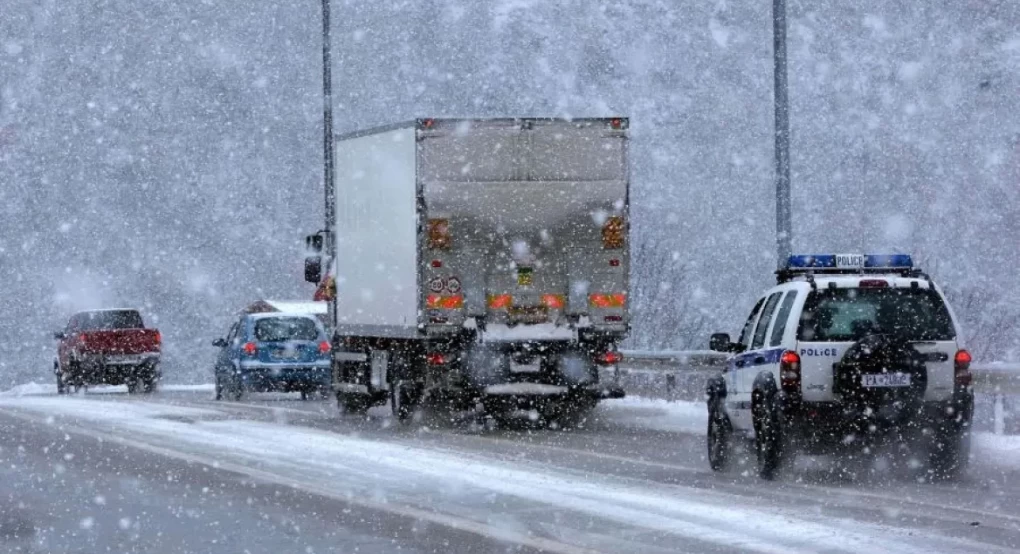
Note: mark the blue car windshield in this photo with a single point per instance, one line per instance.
(280, 329)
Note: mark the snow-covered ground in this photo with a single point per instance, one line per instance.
(508, 500)
(36, 389)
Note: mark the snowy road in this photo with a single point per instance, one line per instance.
(274, 474)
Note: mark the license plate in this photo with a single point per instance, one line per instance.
(124, 359)
(524, 278)
(530, 314)
(283, 354)
(534, 367)
(881, 380)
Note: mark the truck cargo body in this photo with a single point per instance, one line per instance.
(480, 261)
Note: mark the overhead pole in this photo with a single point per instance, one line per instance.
(784, 218)
(327, 128)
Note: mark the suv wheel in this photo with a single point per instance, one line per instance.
(719, 438)
(950, 452)
(771, 441)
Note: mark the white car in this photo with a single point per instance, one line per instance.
(845, 354)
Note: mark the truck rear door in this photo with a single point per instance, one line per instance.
(533, 216)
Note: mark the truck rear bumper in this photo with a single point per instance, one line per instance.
(598, 392)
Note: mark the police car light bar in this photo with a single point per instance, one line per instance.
(807, 262)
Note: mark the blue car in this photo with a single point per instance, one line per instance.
(273, 352)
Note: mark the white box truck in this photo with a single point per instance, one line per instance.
(478, 264)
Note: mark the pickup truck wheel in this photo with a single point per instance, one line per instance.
(132, 385)
(218, 388)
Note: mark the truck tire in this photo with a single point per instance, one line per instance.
(353, 404)
(133, 384)
(405, 398)
(218, 389)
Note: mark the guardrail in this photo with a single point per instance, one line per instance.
(681, 375)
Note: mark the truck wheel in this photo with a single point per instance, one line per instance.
(61, 387)
(404, 399)
(950, 453)
(218, 388)
(353, 404)
(719, 438)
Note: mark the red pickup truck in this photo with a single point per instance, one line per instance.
(110, 347)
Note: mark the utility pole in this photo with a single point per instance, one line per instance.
(327, 128)
(784, 220)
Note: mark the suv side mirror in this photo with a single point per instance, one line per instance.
(219, 343)
(313, 269)
(720, 342)
(60, 335)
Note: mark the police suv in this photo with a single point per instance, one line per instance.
(845, 354)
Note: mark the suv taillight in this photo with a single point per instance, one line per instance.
(961, 367)
(789, 372)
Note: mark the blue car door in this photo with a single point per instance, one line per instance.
(225, 358)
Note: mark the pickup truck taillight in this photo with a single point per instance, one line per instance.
(159, 338)
(250, 348)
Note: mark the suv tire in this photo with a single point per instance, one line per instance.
(771, 444)
(949, 455)
(719, 438)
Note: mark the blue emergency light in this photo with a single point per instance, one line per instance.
(807, 262)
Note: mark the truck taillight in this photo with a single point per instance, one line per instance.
(444, 302)
(607, 300)
(500, 301)
(961, 368)
(439, 237)
(324, 347)
(554, 301)
(789, 371)
(610, 358)
(612, 233)
(435, 358)
(250, 348)
(159, 338)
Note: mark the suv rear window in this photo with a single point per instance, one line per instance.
(845, 315)
(106, 321)
(278, 329)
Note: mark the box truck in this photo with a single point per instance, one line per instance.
(477, 264)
